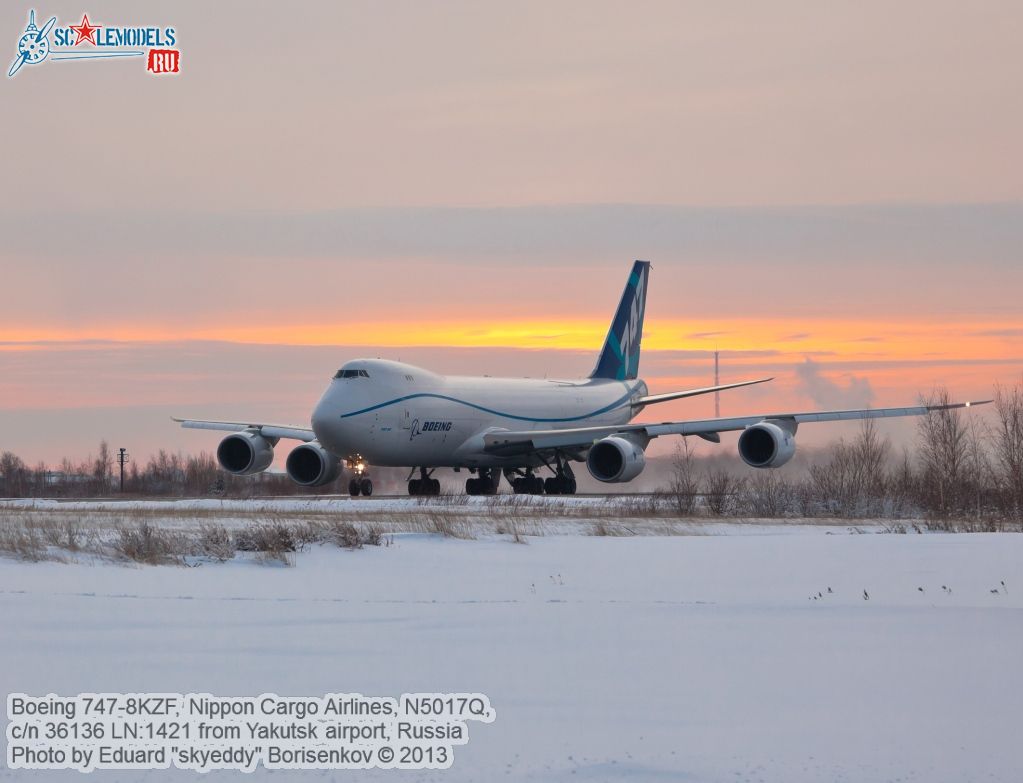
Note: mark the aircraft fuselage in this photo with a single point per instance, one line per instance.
(395, 414)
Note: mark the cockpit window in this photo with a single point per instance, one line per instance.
(351, 374)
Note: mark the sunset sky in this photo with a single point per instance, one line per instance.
(830, 193)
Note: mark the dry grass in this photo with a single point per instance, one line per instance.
(215, 542)
(147, 543)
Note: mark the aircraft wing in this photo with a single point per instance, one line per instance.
(508, 443)
(266, 430)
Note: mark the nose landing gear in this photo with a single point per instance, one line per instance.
(360, 483)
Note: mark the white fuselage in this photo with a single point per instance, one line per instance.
(395, 414)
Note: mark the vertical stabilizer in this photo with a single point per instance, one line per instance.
(619, 358)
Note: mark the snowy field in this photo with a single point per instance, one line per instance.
(701, 657)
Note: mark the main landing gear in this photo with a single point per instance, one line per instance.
(360, 483)
(485, 484)
(563, 481)
(527, 483)
(424, 485)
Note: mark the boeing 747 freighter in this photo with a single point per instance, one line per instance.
(386, 413)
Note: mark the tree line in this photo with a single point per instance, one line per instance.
(961, 472)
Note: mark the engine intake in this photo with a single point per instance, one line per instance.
(311, 465)
(615, 459)
(245, 453)
(766, 445)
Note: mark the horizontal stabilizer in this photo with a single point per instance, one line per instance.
(654, 398)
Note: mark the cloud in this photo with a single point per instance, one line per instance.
(826, 393)
(926, 235)
(1011, 332)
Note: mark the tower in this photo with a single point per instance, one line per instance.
(717, 382)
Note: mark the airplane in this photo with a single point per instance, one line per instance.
(387, 413)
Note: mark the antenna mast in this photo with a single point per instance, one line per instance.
(717, 382)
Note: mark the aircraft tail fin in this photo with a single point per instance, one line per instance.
(619, 358)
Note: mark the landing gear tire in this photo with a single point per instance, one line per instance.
(560, 485)
(424, 486)
(486, 484)
(366, 486)
(354, 488)
(528, 485)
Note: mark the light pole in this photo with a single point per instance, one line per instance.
(122, 459)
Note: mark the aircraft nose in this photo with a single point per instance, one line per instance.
(323, 414)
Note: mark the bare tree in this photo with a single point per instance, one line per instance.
(1008, 449)
(852, 481)
(684, 485)
(14, 475)
(944, 445)
(102, 467)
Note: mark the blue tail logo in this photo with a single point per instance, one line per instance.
(619, 358)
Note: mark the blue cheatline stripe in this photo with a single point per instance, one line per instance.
(395, 401)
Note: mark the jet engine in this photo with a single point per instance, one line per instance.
(311, 465)
(766, 445)
(245, 453)
(615, 459)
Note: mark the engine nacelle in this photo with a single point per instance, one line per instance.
(766, 445)
(615, 459)
(311, 465)
(245, 453)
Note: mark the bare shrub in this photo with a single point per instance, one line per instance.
(437, 522)
(603, 527)
(146, 543)
(684, 485)
(372, 536)
(21, 541)
(766, 495)
(64, 533)
(720, 485)
(273, 538)
(852, 480)
(215, 541)
(514, 532)
(346, 535)
(309, 532)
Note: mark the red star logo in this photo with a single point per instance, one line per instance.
(85, 31)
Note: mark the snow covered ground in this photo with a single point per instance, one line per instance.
(691, 657)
